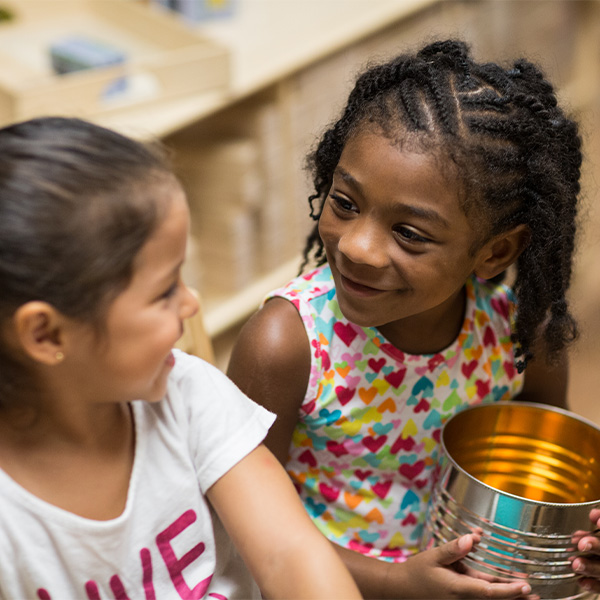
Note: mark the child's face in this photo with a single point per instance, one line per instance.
(133, 358)
(395, 236)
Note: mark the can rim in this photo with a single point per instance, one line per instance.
(535, 405)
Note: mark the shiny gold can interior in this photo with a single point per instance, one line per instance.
(530, 451)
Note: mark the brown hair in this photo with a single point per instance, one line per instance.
(77, 203)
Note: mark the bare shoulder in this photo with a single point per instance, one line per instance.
(270, 363)
(274, 338)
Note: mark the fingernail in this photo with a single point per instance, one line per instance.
(526, 589)
(578, 565)
(463, 543)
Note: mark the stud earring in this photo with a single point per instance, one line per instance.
(59, 356)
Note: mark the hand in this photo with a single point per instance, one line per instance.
(588, 566)
(438, 573)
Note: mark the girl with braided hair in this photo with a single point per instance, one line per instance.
(441, 175)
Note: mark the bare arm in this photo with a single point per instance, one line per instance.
(546, 384)
(286, 554)
(290, 558)
(270, 363)
(434, 573)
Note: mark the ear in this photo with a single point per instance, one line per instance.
(501, 251)
(39, 329)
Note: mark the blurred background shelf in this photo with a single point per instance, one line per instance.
(240, 139)
(160, 58)
(269, 40)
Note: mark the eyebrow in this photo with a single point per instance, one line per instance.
(172, 274)
(417, 211)
(177, 269)
(350, 179)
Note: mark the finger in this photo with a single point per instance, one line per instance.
(586, 567)
(494, 579)
(456, 550)
(516, 589)
(485, 576)
(589, 543)
(590, 585)
(595, 516)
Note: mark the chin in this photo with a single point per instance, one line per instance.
(157, 390)
(155, 396)
(362, 318)
(359, 317)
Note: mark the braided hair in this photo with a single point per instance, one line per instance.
(517, 155)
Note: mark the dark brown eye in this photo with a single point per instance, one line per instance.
(342, 203)
(409, 235)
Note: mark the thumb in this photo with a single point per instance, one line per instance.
(457, 549)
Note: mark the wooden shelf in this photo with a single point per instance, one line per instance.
(269, 40)
(302, 56)
(163, 57)
(223, 313)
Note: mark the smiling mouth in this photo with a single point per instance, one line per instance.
(359, 289)
(170, 360)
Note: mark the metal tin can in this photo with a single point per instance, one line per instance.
(527, 475)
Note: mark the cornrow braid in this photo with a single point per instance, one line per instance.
(518, 155)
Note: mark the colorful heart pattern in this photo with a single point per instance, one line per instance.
(364, 455)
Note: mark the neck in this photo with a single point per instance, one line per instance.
(62, 411)
(81, 463)
(53, 423)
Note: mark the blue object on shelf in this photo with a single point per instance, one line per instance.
(79, 53)
(194, 11)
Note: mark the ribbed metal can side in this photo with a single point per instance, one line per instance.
(517, 540)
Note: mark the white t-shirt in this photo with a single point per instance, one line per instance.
(168, 543)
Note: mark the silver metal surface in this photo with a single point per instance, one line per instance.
(527, 475)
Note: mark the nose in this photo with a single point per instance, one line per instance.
(189, 303)
(363, 242)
